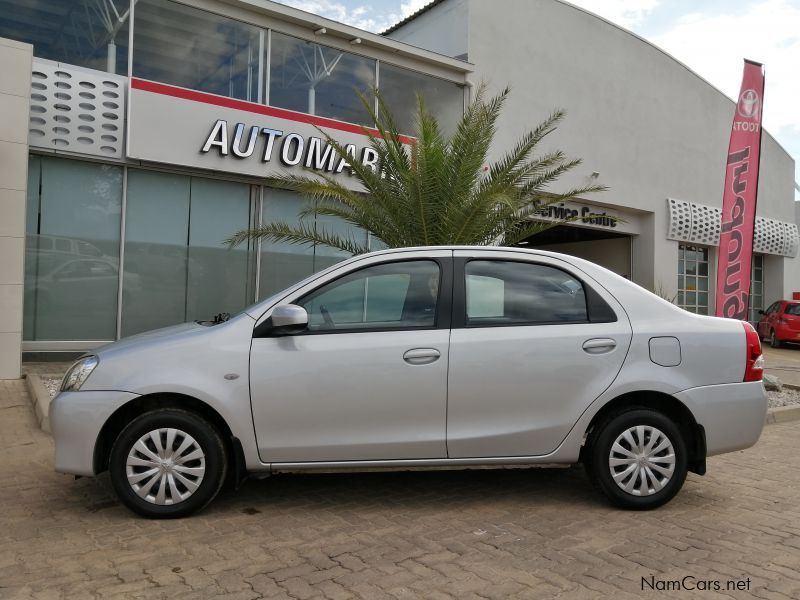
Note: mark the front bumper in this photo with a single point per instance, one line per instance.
(76, 419)
(731, 414)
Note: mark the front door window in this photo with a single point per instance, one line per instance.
(398, 295)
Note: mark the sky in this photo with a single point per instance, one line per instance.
(709, 36)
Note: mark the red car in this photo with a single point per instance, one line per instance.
(780, 323)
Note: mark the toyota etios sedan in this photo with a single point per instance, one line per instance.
(413, 358)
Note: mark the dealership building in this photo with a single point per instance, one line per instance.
(138, 135)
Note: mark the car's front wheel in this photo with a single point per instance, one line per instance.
(637, 458)
(167, 463)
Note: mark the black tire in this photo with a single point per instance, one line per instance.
(208, 440)
(774, 342)
(597, 458)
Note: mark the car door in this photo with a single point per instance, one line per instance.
(368, 379)
(768, 320)
(534, 342)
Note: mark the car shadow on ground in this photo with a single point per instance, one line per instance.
(410, 490)
(396, 490)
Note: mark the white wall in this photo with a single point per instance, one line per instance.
(444, 29)
(15, 89)
(613, 253)
(651, 127)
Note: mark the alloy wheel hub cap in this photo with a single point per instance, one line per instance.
(165, 466)
(642, 460)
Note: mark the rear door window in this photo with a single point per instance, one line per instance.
(509, 292)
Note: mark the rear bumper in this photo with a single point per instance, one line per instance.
(76, 419)
(732, 414)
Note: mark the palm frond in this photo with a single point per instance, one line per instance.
(299, 233)
(439, 189)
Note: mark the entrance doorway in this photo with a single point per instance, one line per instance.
(608, 249)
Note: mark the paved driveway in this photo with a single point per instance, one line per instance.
(784, 363)
(482, 534)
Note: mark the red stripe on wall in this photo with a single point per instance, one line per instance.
(260, 109)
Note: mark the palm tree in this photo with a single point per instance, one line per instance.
(435, 191)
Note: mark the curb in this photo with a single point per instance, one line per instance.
(783, 414)
(40, 398)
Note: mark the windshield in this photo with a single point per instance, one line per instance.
(792, 309)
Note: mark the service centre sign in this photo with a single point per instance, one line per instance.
(183, 127)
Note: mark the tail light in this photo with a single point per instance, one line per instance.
(754, 367)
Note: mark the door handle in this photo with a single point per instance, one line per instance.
(599, 345)
(421, 356)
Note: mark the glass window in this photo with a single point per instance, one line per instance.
(325, 256)
(219, 279)
(756, 288)
(400, 87)
(693, 279)
(282, 263)
(395, 295)
(318, 80)
(78, 32)
(177, 267)
(507, 292)
(72, 250)
(196, 49)
(792, 309)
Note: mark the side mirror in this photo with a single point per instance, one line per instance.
(761, 312)
(287, 319)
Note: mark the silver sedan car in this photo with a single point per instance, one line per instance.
(420, 357)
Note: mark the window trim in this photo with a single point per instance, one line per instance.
(459, 302)
(444, 305)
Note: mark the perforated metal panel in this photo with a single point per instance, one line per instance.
(680, 220)
(706, 223)
(701, 224)
(769, 236)
(77, 109)
(791, 242)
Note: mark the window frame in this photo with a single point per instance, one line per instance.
(683, 291)
(594, 301)
(442, 319)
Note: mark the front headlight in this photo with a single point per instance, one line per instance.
(78, 373)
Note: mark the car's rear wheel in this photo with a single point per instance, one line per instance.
(773, 339)
(167, 463)
(637, 458)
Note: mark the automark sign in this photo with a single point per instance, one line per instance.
(291, 149)
(177, 126)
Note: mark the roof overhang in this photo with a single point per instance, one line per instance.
(343, 32)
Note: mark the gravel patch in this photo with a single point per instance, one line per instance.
(787, 397)
(51, 383)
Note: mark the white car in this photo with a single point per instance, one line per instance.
(419, 357)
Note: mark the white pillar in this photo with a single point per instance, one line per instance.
(15, 93)
(111, 58)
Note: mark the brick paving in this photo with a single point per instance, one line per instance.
(531, 533)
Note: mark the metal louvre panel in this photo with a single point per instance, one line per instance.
(769, 236)
(701, 224)
(680, 220)
(706, 224)
(77, 110)
(791, 240)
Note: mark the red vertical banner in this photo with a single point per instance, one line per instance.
(739, 198)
